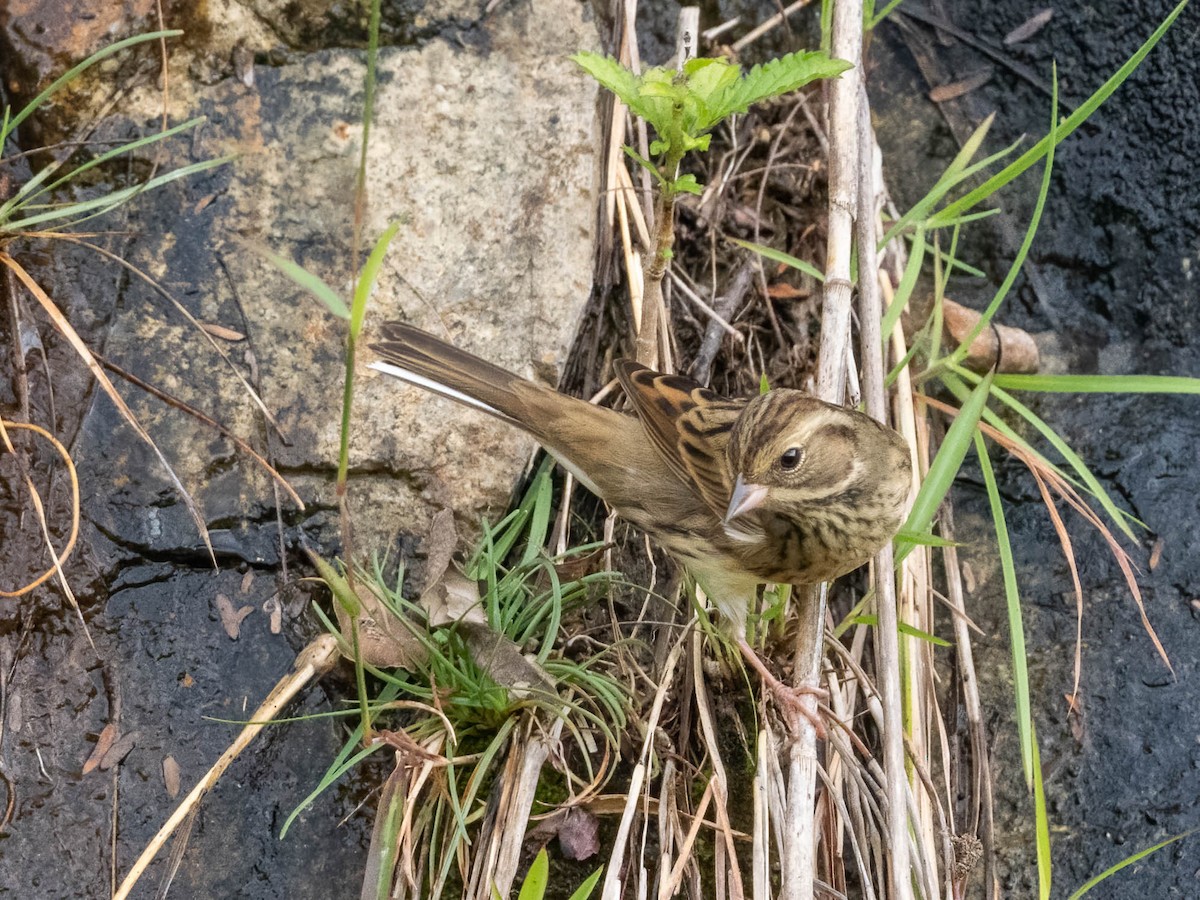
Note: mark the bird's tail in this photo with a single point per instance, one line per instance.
(421, 359)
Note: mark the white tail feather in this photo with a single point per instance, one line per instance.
(430, 385)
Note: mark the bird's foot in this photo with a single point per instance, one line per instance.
(795, 701)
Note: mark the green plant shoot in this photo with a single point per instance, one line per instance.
(684, 106)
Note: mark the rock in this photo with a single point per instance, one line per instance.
(485, 151)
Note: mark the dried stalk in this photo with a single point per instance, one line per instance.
(887, 648)
(798, 864)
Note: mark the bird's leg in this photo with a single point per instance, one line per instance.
(793, 699)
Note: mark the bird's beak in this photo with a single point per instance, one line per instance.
(745, 498)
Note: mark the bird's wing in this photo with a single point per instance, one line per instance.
(688, 424)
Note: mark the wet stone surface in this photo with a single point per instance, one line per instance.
(495, 252)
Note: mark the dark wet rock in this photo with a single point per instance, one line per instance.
(1111, 290)
(483, 143)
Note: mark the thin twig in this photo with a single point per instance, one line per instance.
(887, 644)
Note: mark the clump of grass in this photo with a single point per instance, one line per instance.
(487, 688)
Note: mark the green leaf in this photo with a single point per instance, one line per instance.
(29, 190)
(585, 890)
(70, 75)
(534, 887)
(951, 379)
(773, 79)
(100, 205)
(338, 586)
(957, 172)
(1128, 861)
(645, 163)
(1041, 821)
(1100, 384)
(1034, 220)
(612, 75)
(924, 539)
(687, 184)
(305, 279)
(1016, 627)
(908, 281)
(708, 77)
(946, 464)
(917, 633)
(368, 276)
(779, 256)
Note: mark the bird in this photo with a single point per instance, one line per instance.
(779, 488)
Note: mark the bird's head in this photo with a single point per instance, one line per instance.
(789, 451)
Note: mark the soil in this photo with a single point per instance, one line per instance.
(1109, 289)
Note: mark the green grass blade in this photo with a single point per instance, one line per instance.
(1100, 384)
(1034, 220)
(924, 539)
(909, 630)
(584, 891)
(100, 205)
(346, 760)
(305, 279)
(534, 886)
(1041, 822)
(1128, 861)
(945, 465)
(539, 519)
(1013, 601)
(1068, 125)
(1090, 482)
(912, 271)
(955, 174)
(780, 257)
(368, 276)
(70, 75)
(29, 190)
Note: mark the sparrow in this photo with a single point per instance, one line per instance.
(781, 488)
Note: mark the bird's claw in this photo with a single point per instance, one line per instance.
(793, 700)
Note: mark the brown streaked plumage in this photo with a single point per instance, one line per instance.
(777, 488)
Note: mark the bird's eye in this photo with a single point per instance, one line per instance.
(791, 458)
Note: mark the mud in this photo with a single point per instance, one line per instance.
(1110, 290)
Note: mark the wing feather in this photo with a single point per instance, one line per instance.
(688, 425)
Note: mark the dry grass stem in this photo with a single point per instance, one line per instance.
(68, 331)
(311, 663)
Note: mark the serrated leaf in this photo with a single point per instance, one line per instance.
(707, 78)
(687, 184)
(610, 74)
(773, 79)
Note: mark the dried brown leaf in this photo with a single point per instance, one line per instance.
(1017, 350)
(1029, 27)
(501, 658)
(453, 598)
(579, 834)
(231, 619)
(104, 742)
(119, 750)
(171, 776)
(781, 290)
(944, 92)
